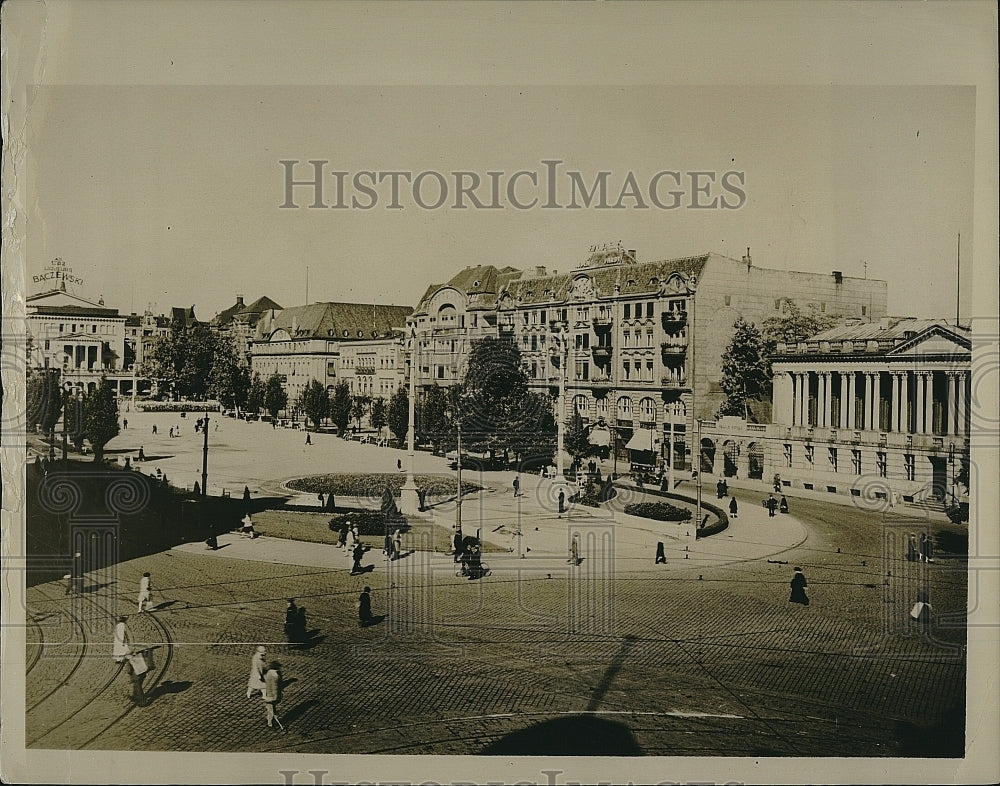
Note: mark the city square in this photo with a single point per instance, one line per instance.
(703, 655)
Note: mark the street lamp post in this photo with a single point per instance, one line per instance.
(458, 499)
(204, 459)
(697, 521)
(409, 498)
(562, 349)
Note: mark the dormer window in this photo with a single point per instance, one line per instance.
(475, 284)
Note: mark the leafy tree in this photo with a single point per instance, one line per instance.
(100, 418)
(340, 406)
(359, 405)
(795, 325)
(255, 394)
(74, 417)
(43, 400)
(434, 420)
(576, 439)
(398, 414)
(496, 410)
(314, 402)
(746, 371)
(229, 378)
(377, 417)
(275, 397)
(183, 359)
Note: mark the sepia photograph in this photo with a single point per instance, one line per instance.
(500, 392)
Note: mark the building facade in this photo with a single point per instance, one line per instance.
(635, 346)
(330, 342)
(239, 322)
(879, 410)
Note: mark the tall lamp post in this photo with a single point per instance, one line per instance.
(409, 498)
(562, 350)
(204, 459)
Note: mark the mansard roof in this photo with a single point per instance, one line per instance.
(239, 309)
(343, 321)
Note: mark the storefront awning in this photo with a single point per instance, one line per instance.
(600, 437)
(643, 439)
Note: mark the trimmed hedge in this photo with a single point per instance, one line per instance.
(373, 485)
(368, 522)
(658, 511)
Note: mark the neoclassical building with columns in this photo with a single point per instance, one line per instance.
(879, 409)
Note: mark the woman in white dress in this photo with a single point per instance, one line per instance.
(258, 668)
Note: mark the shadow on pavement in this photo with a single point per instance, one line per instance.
(165, 688)
(576, 735)
(298, 711)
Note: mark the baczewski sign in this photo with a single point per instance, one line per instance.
(58, 270)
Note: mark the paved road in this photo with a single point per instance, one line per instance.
(701, 656)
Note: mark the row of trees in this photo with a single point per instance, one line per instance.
(90, 416)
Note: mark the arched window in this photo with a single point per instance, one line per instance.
(582, 405)
(447, 313)
(624, 407)
(647, 409)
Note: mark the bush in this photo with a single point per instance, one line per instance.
(373, 485)
(658, 511)
(597, 493)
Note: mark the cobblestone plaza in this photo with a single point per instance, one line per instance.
(701, 656)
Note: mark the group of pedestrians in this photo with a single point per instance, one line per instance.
(265, 678)
(922, 551)
(393, 547)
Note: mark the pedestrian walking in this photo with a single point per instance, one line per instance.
(121, 648)
(246, 494)
(912, 552)
(258, 667)
(799, 585)
(777, 483)
(142, 454)
(308, 438)
(720, 489)
(365, 608)
(734, 508)
(358, 554)
(926, 548)
(399, 465)
(74, 579)
(397, 543)
(322, 500)
(145, 592)
(574, 550)
(124, 424)
(921, 611)
(783, 506)
(661, 558)
(457, 542)
(562, 502)
(517, 486)
(138, 665)
(771, 504)
(387, 545)
(272, 693)
(291, 621)
(171, 432)
(342, 539)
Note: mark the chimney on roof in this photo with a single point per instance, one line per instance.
(838, 277)
(747, 260)
(539, 270)
(239, 300)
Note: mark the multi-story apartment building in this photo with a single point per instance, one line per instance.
(239, 321)
(356, 342)
(636, 345)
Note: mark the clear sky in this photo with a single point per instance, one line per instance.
(169, 195)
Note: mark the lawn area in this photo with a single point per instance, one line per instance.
(313, 528)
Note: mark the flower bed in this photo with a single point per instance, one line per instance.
(658, 511)
(177, 406)
(372, 485)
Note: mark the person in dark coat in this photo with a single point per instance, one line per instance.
(308, 438)
(291, 621)
(799, 585)
(342, 540)
(562, 501)
(387, 547)
(365, 608)
(517, 486)
(719, 490)
(912, 551)
(246, 493)
(358, 554)
(459, 546)
(771, 505)
(926, 547)
(783, 507)
(734, 508)
(661, 558)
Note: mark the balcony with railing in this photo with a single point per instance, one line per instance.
(601, 353)
(602, 321)
(674, 319)
(674, 347)
(505, 327)
(674, 383)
